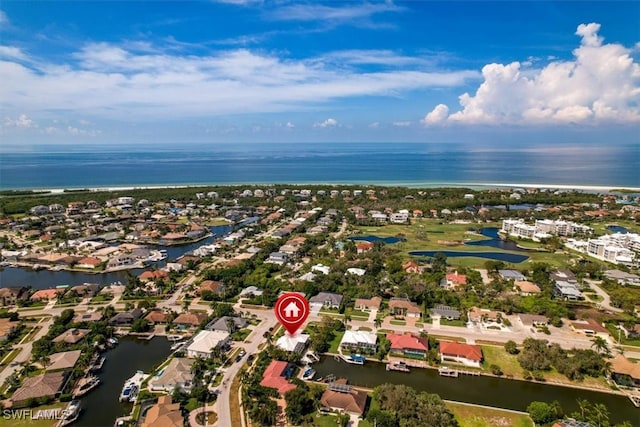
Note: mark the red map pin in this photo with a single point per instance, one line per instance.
(291, 310)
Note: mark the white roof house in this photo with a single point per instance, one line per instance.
(354, 339)
(295, 343)
(321, 268)
(205, 341)
(356, 271)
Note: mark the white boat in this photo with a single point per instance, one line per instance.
(177, 346)
(132, 387)
(113, 341)
(308, 374)
(70, 413)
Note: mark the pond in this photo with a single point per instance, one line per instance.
(496, 256)
(371, 238)
(496, 242)
(481, 390)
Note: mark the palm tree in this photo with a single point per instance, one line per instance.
(231, 325)
(600, 345)
(346, 319)
(377, 322)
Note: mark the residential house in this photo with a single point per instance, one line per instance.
(72, 336)
(511, 275)
(533, 320)
(154, 276)
(47, 385)
(567, 290)
(212, 286)
(222, 324)
(363, 247)
(624, 372)
(465, 354)
(175, 376)
(356, 271)
(250, 291)
(399, 217)
(279, 258)
(526, 288)
(46, 294)
(404, 307)
(156, 316)
(203, 343)
(411, 267)
(277, 376)
(321, 268)
(408, 344)
(623, 278)
(453, 280)
(89, 317)
(293, 343)
(326, 300)
(89, 263)
(7, 327)
(11, 295)
(364, 304)
(191, 319)
(125, 318)
(349, 401)
(163, 414)
(485, 317)
(632, 331)
(359, 340)
(446, 312)
(590, 327)
(63, 360)
(86, 290)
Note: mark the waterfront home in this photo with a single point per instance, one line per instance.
(47, 385)
(350, 401)
(624, 373)
(356, 271)
(156, 316)
(293, 343)
(175, 376)
(125, 318)
(89, 263)
(525, 288)
(404, 307)
(533, 320)
(277, 376)
(408, 344)
(121, 261)
(153, 276)
(449, 313)
(72, 336)
(89, 317)
(203, 343)
(7, 327)
(62, 361)
(11, 296)
(326, 300)
(222, 324)
(86, 290)
(363, 247)
(465, 354)
(191, 319)
(163, 414)
(358, 341)
(567, 290)
(590, 327)
(364, 304)
(46, 294)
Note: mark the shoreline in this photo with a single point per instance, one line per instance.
(407, 184)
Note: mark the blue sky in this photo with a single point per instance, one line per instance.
(232, 71)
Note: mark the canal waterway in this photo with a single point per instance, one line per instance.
(101, 407)
(481, 390)
(42, 279)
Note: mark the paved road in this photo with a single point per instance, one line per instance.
(606, 299)
(25, 354)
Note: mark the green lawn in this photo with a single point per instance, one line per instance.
(475, 416)
(335, 342)
(325, 420)
(398, 322)
(458, 322)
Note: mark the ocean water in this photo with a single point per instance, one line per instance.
(410, 164)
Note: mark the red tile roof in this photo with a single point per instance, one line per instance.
(273, 378)
(457, 279)
(408, 341)
(471, 352)
(153, 275)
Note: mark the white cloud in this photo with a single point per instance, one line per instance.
(601, 83)
(290, 125)
(114, 82)
(330, 122)
(374, 125)
(21, 122)
(12, 52)
(437, 115)
(317, 12)
(4, 19)
(402, 124)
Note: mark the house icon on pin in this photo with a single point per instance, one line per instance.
(292, 310)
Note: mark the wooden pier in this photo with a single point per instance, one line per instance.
(397, 366)
(454, 373)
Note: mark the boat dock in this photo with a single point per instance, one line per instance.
(635, 399)
(132, 387)
(454, 373)
(85, 385)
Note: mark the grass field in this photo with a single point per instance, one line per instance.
(476, 416)
(432, 235)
